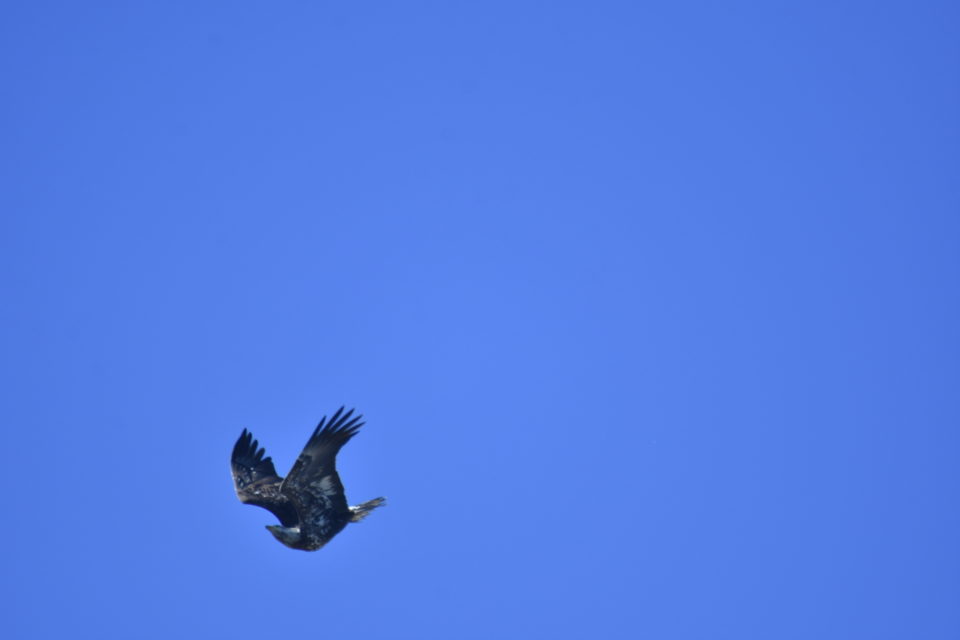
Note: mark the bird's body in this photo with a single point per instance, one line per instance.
(310, 502)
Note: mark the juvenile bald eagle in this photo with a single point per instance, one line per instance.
(309, 502)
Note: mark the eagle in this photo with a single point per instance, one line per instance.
(310, 502)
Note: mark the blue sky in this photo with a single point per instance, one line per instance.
(652, 309)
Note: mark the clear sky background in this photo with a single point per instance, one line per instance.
(652, 309)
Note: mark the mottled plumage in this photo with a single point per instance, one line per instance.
(309, 502)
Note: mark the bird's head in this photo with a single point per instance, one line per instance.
(287, 535)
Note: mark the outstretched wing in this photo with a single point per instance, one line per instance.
(313, 484)
(256, 481)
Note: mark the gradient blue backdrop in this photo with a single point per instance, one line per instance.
(652, 309)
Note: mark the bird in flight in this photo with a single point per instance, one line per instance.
(309, 502)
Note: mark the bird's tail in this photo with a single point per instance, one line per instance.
(363, 509)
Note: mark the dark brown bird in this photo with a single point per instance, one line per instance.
(309, 502)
